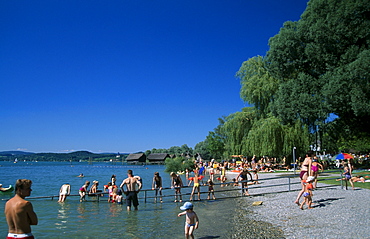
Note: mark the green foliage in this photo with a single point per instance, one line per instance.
(236, 128)
(202, 149)
(266, 138)
(178, 151)
(178, 164)
(322, 63)
(257, 85)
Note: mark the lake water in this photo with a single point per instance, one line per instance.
(93, 219)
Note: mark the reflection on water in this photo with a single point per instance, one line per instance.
(63, 213)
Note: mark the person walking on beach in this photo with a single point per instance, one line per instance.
(308, 187)
(64, 191)
(19, 212)
(176, 183)
(306, 171)
(348, 176)
(82, 191)
(191, 221)
(133, 186)
(315, 167)
(243, 175)
(157, 186)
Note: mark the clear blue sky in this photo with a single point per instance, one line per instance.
(126, 76)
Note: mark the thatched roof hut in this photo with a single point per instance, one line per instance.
(140, 157)
(156, 157)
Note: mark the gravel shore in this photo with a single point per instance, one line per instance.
(336, 213)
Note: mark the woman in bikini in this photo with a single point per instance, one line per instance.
(306, 171)
(316, 166)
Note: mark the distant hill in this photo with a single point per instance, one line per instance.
(14, 153)
(73, 156)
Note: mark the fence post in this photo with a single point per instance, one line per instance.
(341, 180)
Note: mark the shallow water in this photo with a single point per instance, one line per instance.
(100, 219)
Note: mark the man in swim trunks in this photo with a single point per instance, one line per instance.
(19, 212)
(131, 194)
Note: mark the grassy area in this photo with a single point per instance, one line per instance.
(365, 174)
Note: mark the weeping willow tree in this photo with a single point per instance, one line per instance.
(265, 138)
(270, 137)
(296, 136)
(257, 85)
(235, 129)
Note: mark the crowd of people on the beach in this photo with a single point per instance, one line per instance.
(20, 215)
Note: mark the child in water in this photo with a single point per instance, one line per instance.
(308, 192)
(211, 189)
(192, 220)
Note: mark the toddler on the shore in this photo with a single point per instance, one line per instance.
(308, 187)
(192, 221)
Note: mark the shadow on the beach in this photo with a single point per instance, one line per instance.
(209, 237)
(324, 202)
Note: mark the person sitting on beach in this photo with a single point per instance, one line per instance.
(255, 176)
(308, 187)
(82, 191)
(211, 189)
(192, 220)
(235, 182)
(64, 191)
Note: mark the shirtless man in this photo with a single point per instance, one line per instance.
(19, 212)
(131, 193)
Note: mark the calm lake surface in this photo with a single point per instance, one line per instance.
(93, 219)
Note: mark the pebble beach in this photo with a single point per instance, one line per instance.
(336, 213)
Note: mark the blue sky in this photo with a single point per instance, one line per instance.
(126, 76)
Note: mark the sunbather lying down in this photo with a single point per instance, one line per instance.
(355, 179)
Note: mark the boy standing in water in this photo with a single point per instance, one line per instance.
(192, 220)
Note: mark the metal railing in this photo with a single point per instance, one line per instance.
(220, 188)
